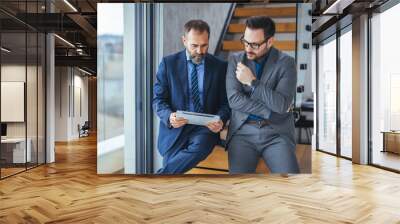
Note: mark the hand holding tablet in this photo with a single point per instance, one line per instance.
(197, 118)
(177, 122)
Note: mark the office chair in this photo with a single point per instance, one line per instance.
(84, 130)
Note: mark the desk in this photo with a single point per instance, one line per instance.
(391, 141)
(15, 148)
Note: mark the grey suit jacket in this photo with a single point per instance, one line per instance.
(271, 98)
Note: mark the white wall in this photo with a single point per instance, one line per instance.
(16, 73)
(33, 125)
(175, 15)
(71, 87)
(12, 73)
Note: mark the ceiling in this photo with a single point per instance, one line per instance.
(332, 15)
(74, 22)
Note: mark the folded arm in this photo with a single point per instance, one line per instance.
(238, 99)
(279, 99)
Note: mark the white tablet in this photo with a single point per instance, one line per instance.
(197, 118)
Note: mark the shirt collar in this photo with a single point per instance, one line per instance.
(188, 58)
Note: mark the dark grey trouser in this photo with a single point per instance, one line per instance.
(250, 143)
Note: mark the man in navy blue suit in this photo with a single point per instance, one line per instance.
(190, 80)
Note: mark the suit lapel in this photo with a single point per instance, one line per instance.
(269, 65)
(207, 78)
(182, 72)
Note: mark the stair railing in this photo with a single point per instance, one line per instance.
(228, 19)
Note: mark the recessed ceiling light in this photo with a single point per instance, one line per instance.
(337, 7)
(70, 5)
(84, 71)
(64, 40)
(5, 50)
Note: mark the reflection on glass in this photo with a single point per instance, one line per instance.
(31, 101)
(346, 94)
(23, 91)
(110, 89)
(386, 89)
(327, 97)
(14, 147)
(41, 99)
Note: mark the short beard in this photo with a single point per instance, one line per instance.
(258, 57)
(196, 58)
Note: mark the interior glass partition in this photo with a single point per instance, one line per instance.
(23, 88)
(14, 153)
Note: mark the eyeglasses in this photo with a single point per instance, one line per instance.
(254, 46)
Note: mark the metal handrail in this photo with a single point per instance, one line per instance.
(225, 28)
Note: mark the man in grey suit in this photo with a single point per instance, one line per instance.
(260, 84)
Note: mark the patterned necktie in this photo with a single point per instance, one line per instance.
(195, 89)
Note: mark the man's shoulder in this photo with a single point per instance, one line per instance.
(173, 57)
(283, 57)
(236, 56)
(216, 60)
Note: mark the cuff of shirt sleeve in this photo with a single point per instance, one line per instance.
(168, 122)
(254, 85)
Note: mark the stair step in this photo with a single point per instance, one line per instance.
(279, 27)
(218, 159)
(271, 12)
(236, 45)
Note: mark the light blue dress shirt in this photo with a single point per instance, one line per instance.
(200, 78)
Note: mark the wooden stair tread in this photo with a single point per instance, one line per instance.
(205, 171)
(280, 28)
(218, 159)
(236, 45)
(271, 12)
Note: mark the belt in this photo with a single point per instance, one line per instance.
(260, 123)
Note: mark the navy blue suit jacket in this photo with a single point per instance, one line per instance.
(171, 91)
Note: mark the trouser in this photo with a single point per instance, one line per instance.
(193, 146)
(250, 143)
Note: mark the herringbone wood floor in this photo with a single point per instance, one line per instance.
(70, 191)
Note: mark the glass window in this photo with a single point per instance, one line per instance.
(385, 89)
(110, 89)
(327, 96)
(346, 94)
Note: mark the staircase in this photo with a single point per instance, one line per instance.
(284, 16)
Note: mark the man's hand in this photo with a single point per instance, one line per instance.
(215, 126)
(177, 122)
(244, 74)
